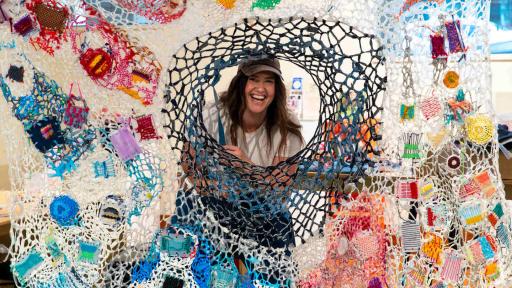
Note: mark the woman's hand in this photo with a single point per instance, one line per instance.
(234, 150)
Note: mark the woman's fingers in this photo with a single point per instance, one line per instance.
(231, 147)
(233, 150)
(236, 151)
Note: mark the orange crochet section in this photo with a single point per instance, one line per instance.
(228, 4)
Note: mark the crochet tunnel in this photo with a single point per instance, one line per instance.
(346, 66)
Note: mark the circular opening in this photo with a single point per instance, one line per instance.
(348, 73)
(302, 99)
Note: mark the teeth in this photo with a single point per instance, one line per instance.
(258, 97)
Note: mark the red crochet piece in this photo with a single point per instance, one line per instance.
(437, 42)
(52, 19)
(156, 10)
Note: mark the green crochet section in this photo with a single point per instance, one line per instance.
(265, 4)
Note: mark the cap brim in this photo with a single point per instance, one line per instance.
(251, 70)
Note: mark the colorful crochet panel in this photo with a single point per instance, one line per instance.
(117, 183)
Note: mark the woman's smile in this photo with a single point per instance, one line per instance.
(260, 92)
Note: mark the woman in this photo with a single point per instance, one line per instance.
(253, 112)
(257, 127)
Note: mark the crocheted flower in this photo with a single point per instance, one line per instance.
(479, 128)
(451, 79)
(63, 210)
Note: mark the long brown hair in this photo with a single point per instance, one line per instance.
(277, 116)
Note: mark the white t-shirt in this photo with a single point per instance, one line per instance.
(255, 145)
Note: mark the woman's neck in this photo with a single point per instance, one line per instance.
(252, 121)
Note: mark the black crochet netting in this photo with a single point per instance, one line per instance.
(348, 69)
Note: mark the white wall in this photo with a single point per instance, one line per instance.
(501, 69)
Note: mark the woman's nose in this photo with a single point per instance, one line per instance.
(260, 85)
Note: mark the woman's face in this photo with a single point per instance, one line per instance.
(259, 92)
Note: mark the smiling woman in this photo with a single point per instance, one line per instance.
(251, 119)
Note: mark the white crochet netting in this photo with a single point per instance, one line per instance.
(347, 236)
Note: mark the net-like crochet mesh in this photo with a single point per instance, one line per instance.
(130, 12)
(116, 182)
(350, 83)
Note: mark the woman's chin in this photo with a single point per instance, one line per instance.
(257, 107)
(257, 110)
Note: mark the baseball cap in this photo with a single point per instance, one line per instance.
(252, 66)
